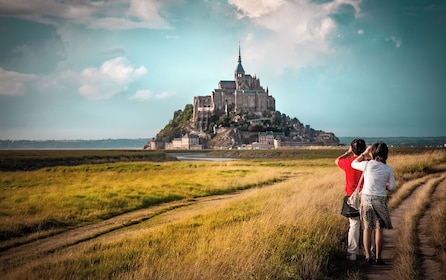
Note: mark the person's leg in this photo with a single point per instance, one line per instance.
(353, 237)
(372, 246)
(367, 234)
(378, 242)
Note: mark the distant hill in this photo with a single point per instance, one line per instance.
(137, 144)
(401, 141)
(125, 144)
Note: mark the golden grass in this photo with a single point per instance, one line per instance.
(437, 230)
(290, 229)
(406, 263)
(265, 233)
(87, 193)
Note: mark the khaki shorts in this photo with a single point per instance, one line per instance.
(371, 205)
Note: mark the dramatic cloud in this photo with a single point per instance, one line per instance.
(13, 83)
(111, 78)
(116, 15)
(255, 9)
(290, 33)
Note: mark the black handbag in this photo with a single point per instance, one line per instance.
(347, 210)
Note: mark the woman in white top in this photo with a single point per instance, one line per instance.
(378, 178)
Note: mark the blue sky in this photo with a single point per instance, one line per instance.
(80, 69)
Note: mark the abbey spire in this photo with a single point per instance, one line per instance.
(239, 71)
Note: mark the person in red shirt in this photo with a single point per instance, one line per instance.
(352, 177)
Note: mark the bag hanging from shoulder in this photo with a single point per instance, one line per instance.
(347, 210)
(355, 199)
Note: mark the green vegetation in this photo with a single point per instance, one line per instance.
(284, 225)
(89, 193)
(35, 159)
(271, 121)
(178, 125)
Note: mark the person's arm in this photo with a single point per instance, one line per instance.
(344, 155)
(392, 184)
(356, 164)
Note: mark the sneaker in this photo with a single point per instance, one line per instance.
(351, 257)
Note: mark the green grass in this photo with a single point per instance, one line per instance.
(285, 226)
(63, 196)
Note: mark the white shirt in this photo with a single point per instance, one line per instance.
(378, 177)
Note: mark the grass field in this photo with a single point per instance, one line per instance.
(285, 224)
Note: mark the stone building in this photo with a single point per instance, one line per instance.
(243, 94)
(186, 142)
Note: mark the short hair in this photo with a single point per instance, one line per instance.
(358, 146)
(380, 151)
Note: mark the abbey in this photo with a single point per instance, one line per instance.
(243, 94)
(238, 114)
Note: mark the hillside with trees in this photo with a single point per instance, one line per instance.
(243, 128)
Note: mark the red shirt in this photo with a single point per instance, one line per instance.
(352, 176)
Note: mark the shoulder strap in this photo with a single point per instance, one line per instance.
(362, 177)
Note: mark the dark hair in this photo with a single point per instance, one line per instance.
(380, 151)
(358, 146)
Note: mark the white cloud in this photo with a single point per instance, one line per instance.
(111, 78)
(163, 95)
(13, 83)
(148, 94)
(396, 41)
(142, 95)
(255, 9)
(360, 32)
(288, 34)
(123, 14)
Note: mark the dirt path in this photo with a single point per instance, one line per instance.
(429, 263)
(12, 259)
(430, 266)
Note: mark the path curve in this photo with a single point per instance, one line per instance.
(375, 272)
(13, 258)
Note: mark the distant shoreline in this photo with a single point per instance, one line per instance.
(138, 144)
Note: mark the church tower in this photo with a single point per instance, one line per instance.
(239, 73)
(243, 94)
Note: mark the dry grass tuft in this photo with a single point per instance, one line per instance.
(406, 264)
(285, 225)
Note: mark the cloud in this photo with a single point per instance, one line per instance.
(148, 94)
(111, 78)
(115, 15)
(396, 41)
(163, 95)
(142, 95)
(255, 9)
(13, 83)
(290, 34)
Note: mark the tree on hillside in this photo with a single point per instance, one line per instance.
(178, 125)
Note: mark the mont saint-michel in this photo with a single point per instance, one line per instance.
(238, 114)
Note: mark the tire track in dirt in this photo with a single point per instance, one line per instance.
(13, 258)
(431, 268)
(376, 272)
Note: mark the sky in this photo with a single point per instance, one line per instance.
(84, 69)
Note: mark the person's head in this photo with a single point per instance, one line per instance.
(380, 152)
(358, 146)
